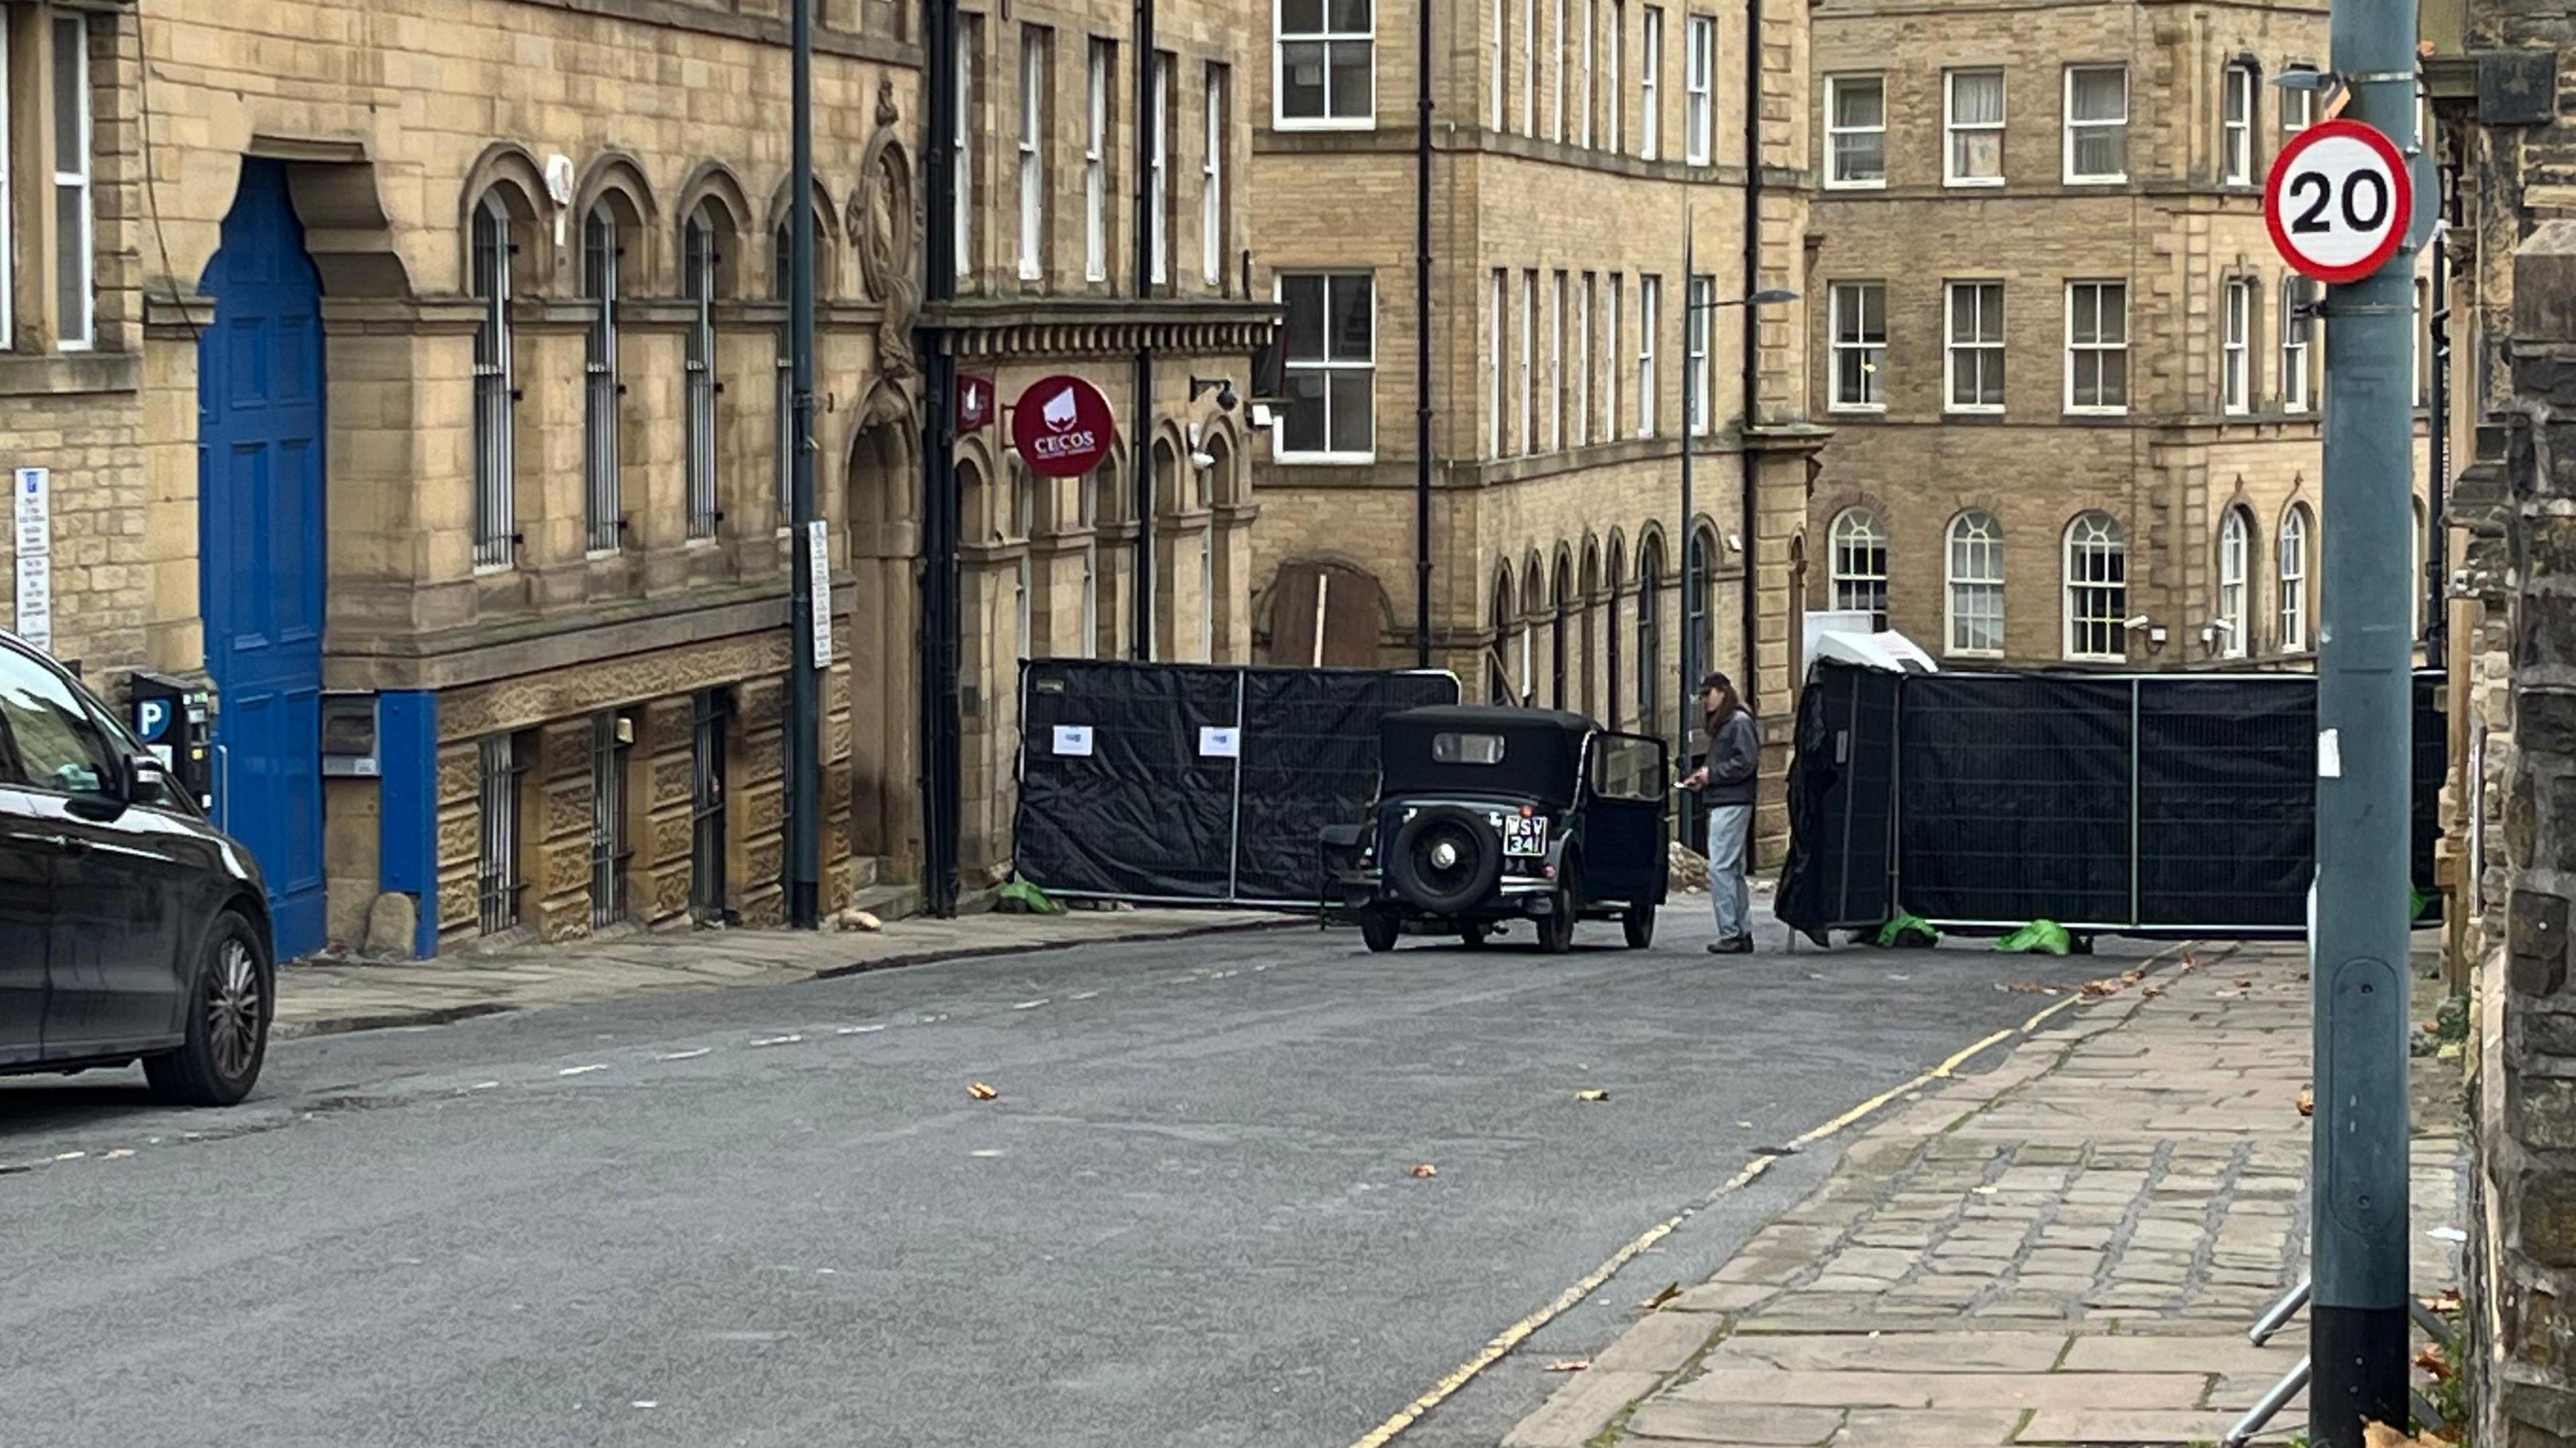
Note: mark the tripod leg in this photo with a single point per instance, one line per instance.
(2281, 1312)
(2262, 1412)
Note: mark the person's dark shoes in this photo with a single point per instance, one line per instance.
(1740, 945)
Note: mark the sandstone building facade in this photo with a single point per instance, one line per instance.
(411, 373)
(1577, 143)
(2075, 393)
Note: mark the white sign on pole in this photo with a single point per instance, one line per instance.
(818, 587)
(2338, 200)
(35, 517)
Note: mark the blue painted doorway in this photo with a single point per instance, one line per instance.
(261, 560)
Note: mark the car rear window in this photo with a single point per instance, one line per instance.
(1466, 749)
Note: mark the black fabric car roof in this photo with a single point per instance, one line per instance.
(1542, 752)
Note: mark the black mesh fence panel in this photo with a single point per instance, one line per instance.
(1125, 794)
(2013, 798)
(2227, 784)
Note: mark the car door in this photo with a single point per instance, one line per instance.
(26, 920)
(1624, 855)
(113, 963)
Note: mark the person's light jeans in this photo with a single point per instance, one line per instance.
(1728, 825)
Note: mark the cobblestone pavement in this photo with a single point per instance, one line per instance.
(2067, 1249)
(325, 998)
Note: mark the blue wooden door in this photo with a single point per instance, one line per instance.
(261, 559)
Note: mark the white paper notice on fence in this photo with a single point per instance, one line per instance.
(1220, 743)
(1073, 739)
(2329, 754)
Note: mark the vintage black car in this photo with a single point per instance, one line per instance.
(1487, 814)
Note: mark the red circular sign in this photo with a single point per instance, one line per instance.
(2339, 201)
(1062, 427)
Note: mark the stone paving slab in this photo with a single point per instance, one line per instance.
(2065, 1249)
(330, 997)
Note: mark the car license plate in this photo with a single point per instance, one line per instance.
(1525, 835)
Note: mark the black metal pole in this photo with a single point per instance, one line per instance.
(1140, 448)
(2437, 569)
(1422, 338)
(1688, 696)
(938, 642)
(1750, 502)
(809, 613)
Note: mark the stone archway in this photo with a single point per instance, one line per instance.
(886, 657)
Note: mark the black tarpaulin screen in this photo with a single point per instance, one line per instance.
(2169, 804)
(1196, 782)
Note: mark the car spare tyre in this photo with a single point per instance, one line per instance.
(1445, 859)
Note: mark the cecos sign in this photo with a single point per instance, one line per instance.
(1062, 427)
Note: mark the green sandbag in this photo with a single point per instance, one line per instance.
(1021, 895)
(1908, 931)
(2041, 937)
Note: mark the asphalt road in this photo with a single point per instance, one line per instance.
(774, 1216)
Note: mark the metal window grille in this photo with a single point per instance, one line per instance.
(496, 866)
(698, 264)
(607, 822)
(707, 892)
(495, 449)
(600, 463)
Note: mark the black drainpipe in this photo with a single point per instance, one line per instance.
(940, 773)
(1752, 519)
(1422, 341)
(1140, 447)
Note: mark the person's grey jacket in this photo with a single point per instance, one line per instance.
(1734, 763)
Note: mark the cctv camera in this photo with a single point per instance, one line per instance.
(2136, 621)
(1202, 460)
(1225, 398)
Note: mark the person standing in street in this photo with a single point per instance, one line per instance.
(1728, 781)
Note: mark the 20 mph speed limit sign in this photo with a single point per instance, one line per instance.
(2338, 201)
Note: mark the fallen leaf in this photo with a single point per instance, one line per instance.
(2446, 1300)
(982, 1092)
(1569, 1365)
(2245, 985)
(2151, 992)
(2026, 987)
(2380, 1435)
(2432, 1360)
(2107, 986)
(1426, 1169)
(2307, 1101)
(1664, 1294)
(1591, 1095)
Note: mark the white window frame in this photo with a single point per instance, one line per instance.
(1973, 564)
(2103, 538)
(1556, 430)
(1497, 306)
(1159, 170)
(1095, 163)
(1614, 321)
(1873, 354)
(1650, 303)
(1207, 592)
(963, 166)
(1032, 148)
(1852, 587)
(2236, 349)
(2297, 342)
(1280, 450)
(1697, 393)
(2298, 106)
(8, 210)
(1616, 82)
(2096, 409)
(1212, 179)
(1330, 41)
(1498, 111)
(1529, 68)
(2074, 127)
(2296, 547)
(1585, 338)
(1588, 132)
(1556, 77)
(1699, 87)
(75, 330)
(1650, 86)
(2235, 583)
(1953, 130)
(1527, 402)
(2237, 90)
(1836, 178)
(1985, 351)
